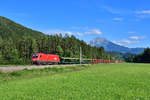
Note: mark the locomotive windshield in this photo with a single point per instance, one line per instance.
(35, 56)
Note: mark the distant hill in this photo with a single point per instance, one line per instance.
(110, 46)
(10, 29)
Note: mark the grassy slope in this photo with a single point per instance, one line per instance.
(99, 82)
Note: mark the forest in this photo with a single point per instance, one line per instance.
(20, 51)
(140, 58)
(18, 43)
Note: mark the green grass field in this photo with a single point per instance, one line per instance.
(96, 82)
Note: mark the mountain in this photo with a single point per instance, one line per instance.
(12, 30)
(110, 46)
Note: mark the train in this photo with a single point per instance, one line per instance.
(41, 58)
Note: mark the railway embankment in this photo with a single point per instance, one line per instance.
(12, 68)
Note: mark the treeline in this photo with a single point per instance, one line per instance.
(20, 50)
(141, 58)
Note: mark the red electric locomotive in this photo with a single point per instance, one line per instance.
(41, 58)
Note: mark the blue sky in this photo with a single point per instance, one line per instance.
(125, 22)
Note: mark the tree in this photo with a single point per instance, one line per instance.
(1, 57)
(101, 52)
(144, 57)
(59, 50)
(34, 46)
(14, 57)
(9, 53)
(68, 53)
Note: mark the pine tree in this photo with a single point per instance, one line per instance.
(59, 50)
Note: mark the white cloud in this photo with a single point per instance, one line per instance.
(117, 42)
(131, 32)
(88, 43)
(94, 31)
(118, 19)
(144, 16)
(68, 32)
(111, 10)
(79, 34)
(76, 32)
(131, 40)
(134, 37)
(57, 31)
(125, 42)
(137, 37)
(143, 12)
(80, 28)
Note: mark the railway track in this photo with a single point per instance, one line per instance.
(12, 68)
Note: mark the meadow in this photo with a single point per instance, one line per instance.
(122, 81)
